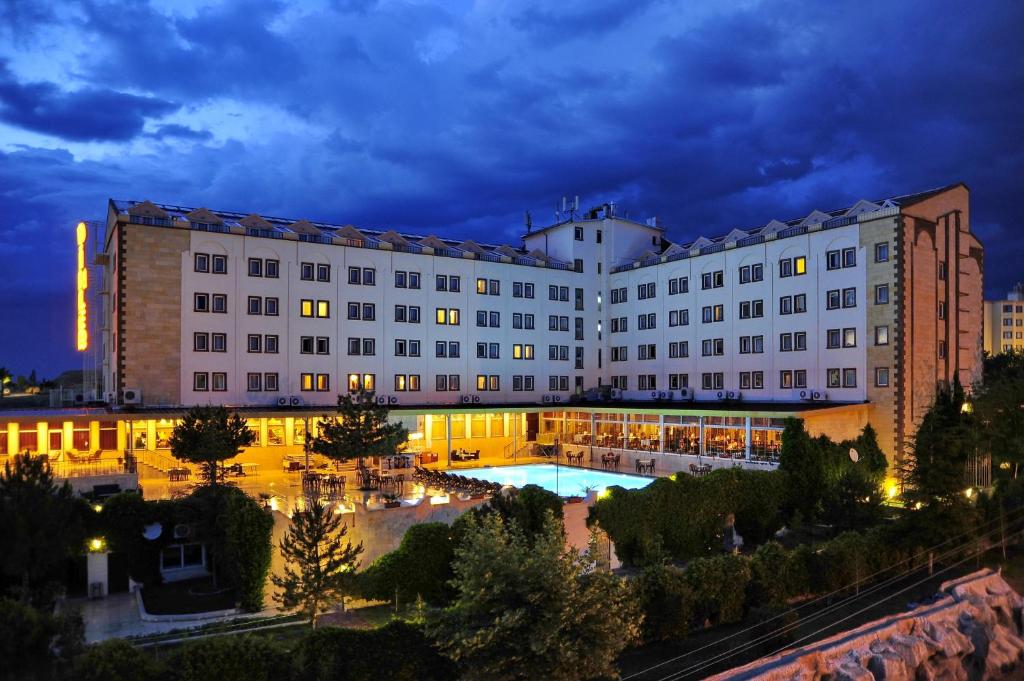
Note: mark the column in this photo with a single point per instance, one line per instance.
(289, 431)
(448, 440)
(747, 440)
(122, 436)
(700, 421)
(661, 433)
(94, 435)
(13, 446)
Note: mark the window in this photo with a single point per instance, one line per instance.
(646, 321)
(306, 345)
(751, 273)
(882, 294)
(306, 271)
(751, 309)
(833, 260)
(786, 379)
(305, 382)
(786, 305)
(220, 264)
(799, 303)
(714, 279)
(355, 346)
(785, 342)
(306, 308)
(200, 381)
(219, 342)
(800, 378)
(800, 340)
(881, 335)
(942, 309)
(521, 351)
(254, 382)
(219, 303)
(942, 349)
(323, 345)
(678, 285)
(255, 342)
(270, 382)
(833, 378)
(323, 272)
(678, 317)
(712, 381)
(833, 338)
(751, 380)
(202, 262)
(255, 267)
(833, 299)
(323, 309)
(849, 338)
(619, 295)
(218, 381)
(849, 378)
(793, 267)
(849, 297)
(577, 233)
(710, 347)
(882, 254)
(255, 305)
(200, 342)
(712, 313)
(355, 276)
(270, 306)
(942, 270)
(645, 291)
(881, 377)
(201, 302)
(271, 269)
(678, 381)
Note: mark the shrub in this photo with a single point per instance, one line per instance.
(398, 652)
(230, 658)
(719, 585)
(117, 660)
(666, 599)
(777, 575)
(420, 566)
(685, 517)
(246, 551)
(527, 506)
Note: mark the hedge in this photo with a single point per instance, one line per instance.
(419, 567)
(230, 658)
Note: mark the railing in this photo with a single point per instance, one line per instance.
(315, 239)
(264, 233)
(161, 462)
(85, 469)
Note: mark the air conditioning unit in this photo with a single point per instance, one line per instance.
(684, 394)
(79, 398)
(381, 399)
(819, 395)
(655, 394)
(547, 399)
(733, 394)
(182, 531)
(662, 395)
(283, 401)
(109, 397)
(470, 399)
(295, 401)
(392, 399)
(616, 393)
(802, 394)
(809, 395)
(131, 396)
(720, 394)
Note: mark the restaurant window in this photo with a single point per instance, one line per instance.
(80, 439)
(275, 432)
(478, 425)
(458, 426)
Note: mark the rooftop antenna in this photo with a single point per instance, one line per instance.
(529, 222)
(569, 209)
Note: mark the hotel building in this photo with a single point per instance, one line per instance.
(598, 330)
(1004, 323)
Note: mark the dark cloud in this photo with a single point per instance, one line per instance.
(180, 132)
(454, 119)
(88, 114)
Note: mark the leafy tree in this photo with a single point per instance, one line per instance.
(208, 435)
(318, 566)
(528, 507)
(998, 405)
(719, 585)
(360, 429)
(230, 658)
(942, 445)
(41, 525)
(803, 468)
(532, 610)
(666, 600)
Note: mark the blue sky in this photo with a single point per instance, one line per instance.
(455, 117)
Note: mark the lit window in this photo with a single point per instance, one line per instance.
(442, 316)
(368, 382)
(353, 382)
(306, 309)
(323, 308)
(800, 265)
(306, 382)
(453, 317)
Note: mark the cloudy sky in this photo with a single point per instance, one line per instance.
(455, 117)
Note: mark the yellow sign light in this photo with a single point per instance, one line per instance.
(82, 323)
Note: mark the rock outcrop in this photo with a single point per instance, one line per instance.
(973, 631)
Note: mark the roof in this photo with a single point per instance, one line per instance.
(254, 224)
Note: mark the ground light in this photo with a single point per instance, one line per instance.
(604, 493)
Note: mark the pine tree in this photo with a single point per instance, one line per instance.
(318, 566)
(360, 429)
(209, 435)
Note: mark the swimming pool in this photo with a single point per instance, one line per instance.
(565, 481)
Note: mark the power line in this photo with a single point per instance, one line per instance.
(687, 671)
(825, 596)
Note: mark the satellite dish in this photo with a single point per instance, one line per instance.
(153, 531)
(854, 456)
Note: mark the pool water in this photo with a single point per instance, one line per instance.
(565, 481)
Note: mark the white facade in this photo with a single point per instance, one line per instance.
(613, 304)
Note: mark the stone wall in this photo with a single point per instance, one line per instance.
(972, 632)
(150, 308)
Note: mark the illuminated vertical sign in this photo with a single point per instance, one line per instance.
(82, 323)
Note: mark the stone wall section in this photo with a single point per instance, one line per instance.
(150, 304)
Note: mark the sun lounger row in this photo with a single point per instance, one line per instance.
(454, 483)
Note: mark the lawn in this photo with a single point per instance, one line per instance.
(187, 597)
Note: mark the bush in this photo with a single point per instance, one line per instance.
(398, 652)
(777, 575)
(420, 567)
(526, 506)
(719, 585)
(685, 517)
(117, 660)
(666, 599)
(230, 658)
(246, 553)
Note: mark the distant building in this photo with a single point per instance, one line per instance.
(1004, 322)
